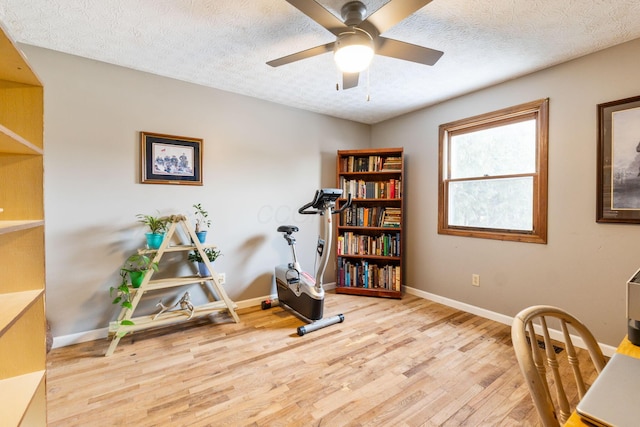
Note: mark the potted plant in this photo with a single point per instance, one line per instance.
(135, 268)
(211, 253)
(157, 227)
(202, 222)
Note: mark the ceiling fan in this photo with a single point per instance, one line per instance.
(358, 39)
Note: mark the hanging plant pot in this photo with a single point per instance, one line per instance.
(154, 240)
(136, 278)
(203, 270)
(202, 236)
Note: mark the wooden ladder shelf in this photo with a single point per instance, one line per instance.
(223, 303)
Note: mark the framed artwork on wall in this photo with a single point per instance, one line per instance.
(618, 194)
(168, 159)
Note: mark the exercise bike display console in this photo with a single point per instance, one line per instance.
(297, 289)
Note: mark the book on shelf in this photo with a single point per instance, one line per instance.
(386, 244)
(362, 189)
(361, 164)
(375, 216)
(368, 275)
(392, 217)
(392, 163)
(371, 163)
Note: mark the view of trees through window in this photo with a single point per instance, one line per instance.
(493, 175)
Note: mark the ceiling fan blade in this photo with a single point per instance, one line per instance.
(350, 80)
(318, 50)
(407, 51)
(393, 12)
(322, 16)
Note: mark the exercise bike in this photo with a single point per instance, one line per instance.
(298, 290)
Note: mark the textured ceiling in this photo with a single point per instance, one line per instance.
(225, 43)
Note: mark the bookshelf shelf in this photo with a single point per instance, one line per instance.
(376, 257)
(14, 304)
(369, 234)
(10, 142)
(380, 174)
(22, 276)
(18, 393)
(374, 200)
(13, 226)
(365, 229)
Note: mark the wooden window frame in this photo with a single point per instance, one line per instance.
(539, 110)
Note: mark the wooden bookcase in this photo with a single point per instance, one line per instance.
(22, 272)
(369, 234)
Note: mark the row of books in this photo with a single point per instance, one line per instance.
(370, 163)
(368, 275)
(392, 163)
(361, 189)
(376, 216)
(386, 244)
(392, 217)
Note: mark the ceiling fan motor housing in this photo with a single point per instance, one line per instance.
(353, 13)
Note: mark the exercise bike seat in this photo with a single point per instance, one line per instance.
(288, 229)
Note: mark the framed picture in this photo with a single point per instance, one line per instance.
(168, 159)
(619, 161)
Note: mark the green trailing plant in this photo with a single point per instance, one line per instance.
(211, 253)
(139, 262)
(156, 224)
(202, 218)
(122, 293)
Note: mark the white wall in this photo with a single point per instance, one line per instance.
(261, 162)
(585, 265)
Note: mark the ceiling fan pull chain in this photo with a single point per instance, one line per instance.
(368, 85)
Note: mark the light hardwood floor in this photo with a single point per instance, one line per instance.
(409, 362)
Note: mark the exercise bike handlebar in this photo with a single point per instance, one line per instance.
(322, 200)
(343, 207)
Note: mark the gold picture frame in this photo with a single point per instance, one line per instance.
(169, 159)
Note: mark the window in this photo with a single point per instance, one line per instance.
(493, 175)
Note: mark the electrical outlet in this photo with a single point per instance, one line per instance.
(222, 277)
(475, 279)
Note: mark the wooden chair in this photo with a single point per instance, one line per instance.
(534, 361)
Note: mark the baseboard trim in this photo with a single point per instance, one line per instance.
(492, 315)
(96, 334)
(102, 333)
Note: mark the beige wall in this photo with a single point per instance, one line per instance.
(261, 162)
(585, 265)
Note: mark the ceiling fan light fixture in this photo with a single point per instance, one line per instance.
(353, 51)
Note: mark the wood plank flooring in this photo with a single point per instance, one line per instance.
(409, 362)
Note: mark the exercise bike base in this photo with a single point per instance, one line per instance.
(319, 324)
(308, 302)
(313, 326)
